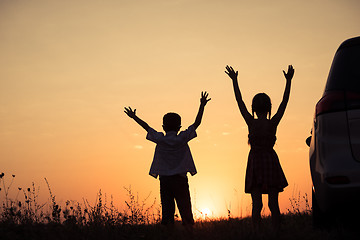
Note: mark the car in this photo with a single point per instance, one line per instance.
(334, 152)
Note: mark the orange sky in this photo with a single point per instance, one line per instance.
(67, 69)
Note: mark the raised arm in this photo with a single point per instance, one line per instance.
(132, 114)
(280, 112)
(242, 107)
(203, 101)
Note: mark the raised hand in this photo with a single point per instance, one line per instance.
(281, 110)
(203, 101)
(231, 72)
(204, 98)
(289, 75)
(131, 113)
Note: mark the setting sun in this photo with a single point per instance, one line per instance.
(206, 212)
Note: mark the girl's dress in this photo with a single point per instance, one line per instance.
(263, 170)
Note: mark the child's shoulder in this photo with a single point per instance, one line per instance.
(154, 135)
(191, 128)
(188, 133)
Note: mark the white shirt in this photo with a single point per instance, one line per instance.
(172, 153)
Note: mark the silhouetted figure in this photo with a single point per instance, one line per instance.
(172, 161)
(264, 174)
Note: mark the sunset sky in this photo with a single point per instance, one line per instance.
(68, 68)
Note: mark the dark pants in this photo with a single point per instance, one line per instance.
(176, 188)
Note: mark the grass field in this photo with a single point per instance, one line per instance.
(25, 218)
(292, 227)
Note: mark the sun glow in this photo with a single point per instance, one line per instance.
(206, 212)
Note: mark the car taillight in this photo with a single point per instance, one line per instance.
(353, 100)
(337, 180)
(331, 102)
(335, 101)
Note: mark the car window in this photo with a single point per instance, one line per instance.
(345, 70)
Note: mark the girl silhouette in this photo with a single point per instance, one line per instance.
(264, 174)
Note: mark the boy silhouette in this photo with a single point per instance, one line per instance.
(172, 161)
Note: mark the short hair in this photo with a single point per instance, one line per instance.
(171, 122)
(261, 103)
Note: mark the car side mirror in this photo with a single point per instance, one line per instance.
(308, 141)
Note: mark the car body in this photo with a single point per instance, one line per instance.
(335, 141)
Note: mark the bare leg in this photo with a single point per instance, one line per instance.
(257, 205)
(274, 208)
